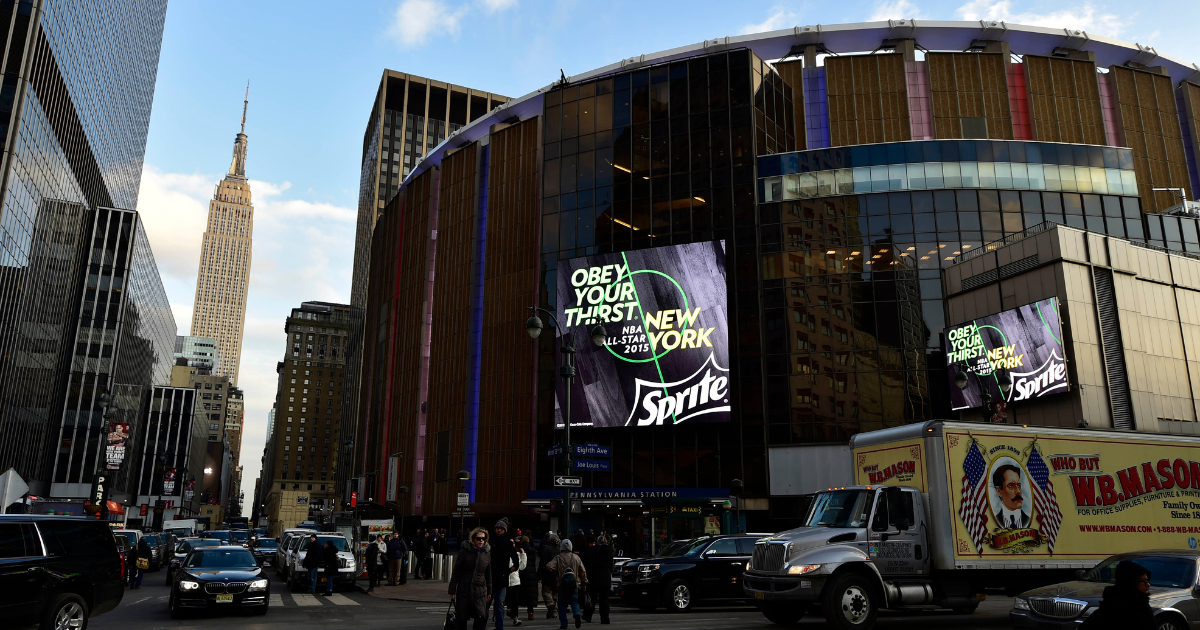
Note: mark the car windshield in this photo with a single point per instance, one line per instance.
(1165, 571)
(182, 531)
(153, 540)
(671, 550)
(266, 543)
(338, 542)
(696, 547)
(130, 536)
(189, 545)
(239, 535)
(840, 508)
(221, 559)
(218, 535)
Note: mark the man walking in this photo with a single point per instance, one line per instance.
(504, 561)
(549, 580)
(599, 567)
(312, 562)
(373, 558)
(395, 554)
(571, 578)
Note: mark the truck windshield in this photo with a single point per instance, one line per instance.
(1165, 571)
(840, 508)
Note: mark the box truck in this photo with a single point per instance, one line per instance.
(943, 510)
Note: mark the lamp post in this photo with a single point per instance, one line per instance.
(985, 393)
(599, 336)
(463, 477)
(735, 487)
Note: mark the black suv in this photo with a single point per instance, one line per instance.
(57, 571)
(704, 570)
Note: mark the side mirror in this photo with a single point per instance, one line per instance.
(1079, 573)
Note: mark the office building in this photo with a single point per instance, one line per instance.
(840, 187)
(200, 352)
(73, 143)
(168, 458)
(219, 310)
(300, 459)
(409, 117)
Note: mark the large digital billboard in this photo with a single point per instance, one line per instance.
(666, 359)
(1025, 344)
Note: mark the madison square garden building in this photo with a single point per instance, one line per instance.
(760, 227)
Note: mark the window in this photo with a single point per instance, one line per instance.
(442, 470)
(974, 128)
(723, 547)
(12, 542)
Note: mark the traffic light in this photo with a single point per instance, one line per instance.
(555, 505)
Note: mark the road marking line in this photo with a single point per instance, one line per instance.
(306, 600)
(340, 600)
(139, 601)
(276, 600)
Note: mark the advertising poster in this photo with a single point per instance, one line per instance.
(1026, 343)
(1070, 497)
(666, 360)
(169, 481)
(189, 490)
(118, 435)
(894, 464)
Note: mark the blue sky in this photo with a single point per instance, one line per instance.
(313, 71)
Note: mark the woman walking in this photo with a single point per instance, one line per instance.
(471, 581)
(529, 577)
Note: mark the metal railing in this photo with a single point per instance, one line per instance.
(1009, 240)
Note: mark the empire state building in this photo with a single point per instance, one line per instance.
(224, 276)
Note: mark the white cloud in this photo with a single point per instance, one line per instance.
(498, 5)
(303, 251)
(1083, 16)
(778, 18)
(894, 10)
(418, 20)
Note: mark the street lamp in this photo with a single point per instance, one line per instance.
(599, 336)
(735, 488)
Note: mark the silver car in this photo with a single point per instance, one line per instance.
(1174, 588)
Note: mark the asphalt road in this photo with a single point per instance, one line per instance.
(146, 609)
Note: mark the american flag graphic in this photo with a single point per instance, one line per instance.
(974, 507)
(1044, 499)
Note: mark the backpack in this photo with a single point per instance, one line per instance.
(567, 584)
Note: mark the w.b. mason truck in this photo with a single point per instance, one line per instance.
(943, 510)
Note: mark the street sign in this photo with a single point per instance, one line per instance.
(592, 464)
(554, 451)
(464, 499)
(462, 514)
(563, 481)
(592, 450)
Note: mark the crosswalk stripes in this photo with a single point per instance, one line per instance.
(432, 610)
(304, 600)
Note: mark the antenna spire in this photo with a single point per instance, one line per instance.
(245, 105)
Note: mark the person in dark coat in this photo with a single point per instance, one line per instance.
(396, 552)
(312, 562)
(331, 562)
(424, 553)
(471, 581)
(599, 565)
(504, 561)
(549, 582)
(529, 577)
(142, 550)
(373, 563)
(1126, 604)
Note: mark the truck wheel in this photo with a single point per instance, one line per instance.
(849, 602)
(67, 611)
(783, 614)
(679, 596)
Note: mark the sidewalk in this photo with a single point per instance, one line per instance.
(427, 591)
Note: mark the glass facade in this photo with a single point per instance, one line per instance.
(75, 104)
(173, 438)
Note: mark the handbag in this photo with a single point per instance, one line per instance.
(143, 563)
(451, 619)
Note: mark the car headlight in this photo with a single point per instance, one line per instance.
(747, 566)
(258, 585)
(1020, 603)
(646, 568)
(188, 585)
(801, 569)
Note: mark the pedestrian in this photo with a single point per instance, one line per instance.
(141, 556)
(471, 581)
(529, 576)
(423, 552)
(571, 579)
(515, 588)
(312, 562)
(395, 555)
(599, 568)
(1126, 604)
(505, 562)
(549, 589)
(332, 563)
(374, 558)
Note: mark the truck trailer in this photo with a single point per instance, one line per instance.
(943, 510)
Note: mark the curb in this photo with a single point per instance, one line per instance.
(362, 589)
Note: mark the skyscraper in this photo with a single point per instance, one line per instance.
(219, 310)
(410, 117)
(79, 90)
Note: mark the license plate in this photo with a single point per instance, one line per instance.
(224, 599)
(759, 595)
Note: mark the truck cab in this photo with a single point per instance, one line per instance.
(862, 548)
